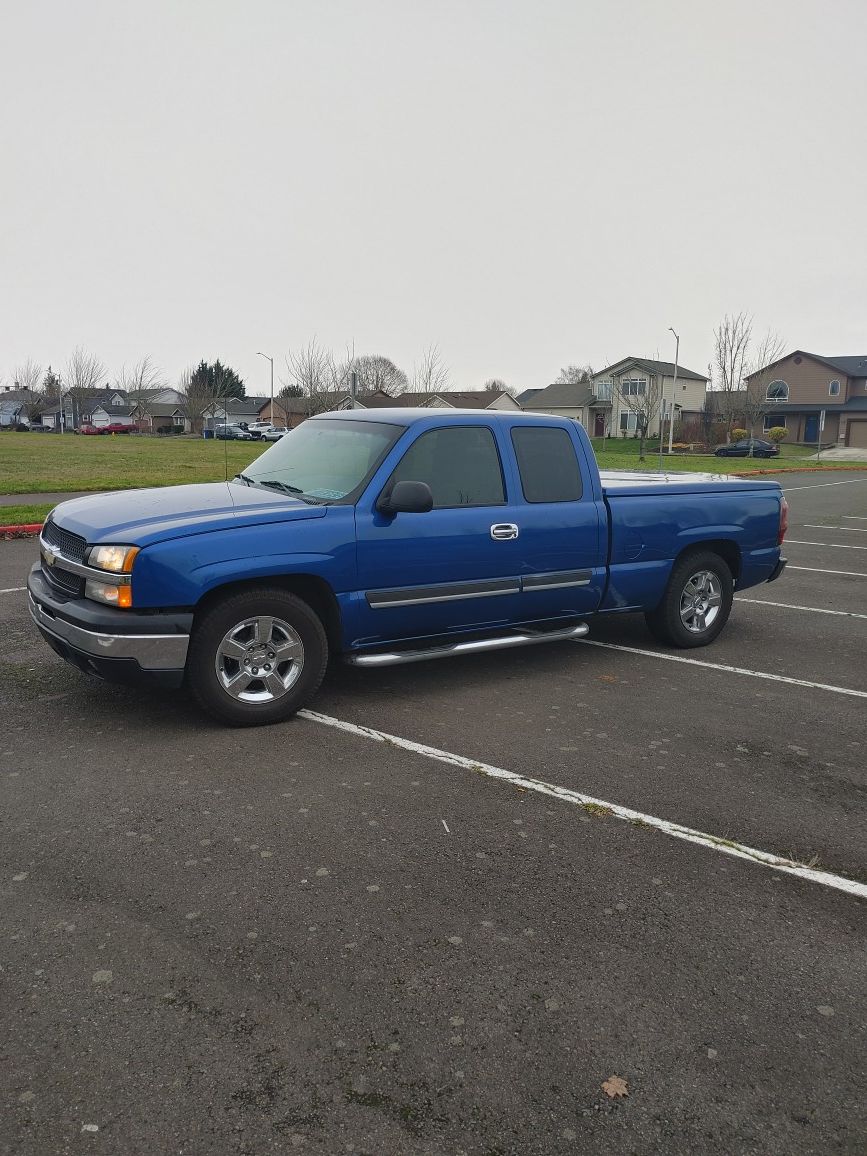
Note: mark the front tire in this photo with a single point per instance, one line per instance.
(697, 601)
(256, 657)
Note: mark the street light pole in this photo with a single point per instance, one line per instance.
(271, 359)
(673, 392)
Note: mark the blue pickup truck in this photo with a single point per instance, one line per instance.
(390, 536)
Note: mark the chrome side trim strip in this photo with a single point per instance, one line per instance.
(448, 592)
(501, 642)
(557, 580)
(150, 651)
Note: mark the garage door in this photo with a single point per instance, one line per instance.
(858, 434)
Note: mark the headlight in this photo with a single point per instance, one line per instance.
(118, 559)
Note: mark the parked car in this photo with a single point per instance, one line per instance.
(274, 433)
(741, 449)
(258, 428)
(116, 427)
(387, 537)
(37, 427)
(89, 429)
(232, 433)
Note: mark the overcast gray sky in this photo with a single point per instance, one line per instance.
(525, 183)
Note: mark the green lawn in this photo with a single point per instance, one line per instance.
(622, 454)
(49, 463)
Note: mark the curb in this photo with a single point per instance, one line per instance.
(800, 470)
(30, 530)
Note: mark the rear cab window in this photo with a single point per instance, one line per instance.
(547, 464)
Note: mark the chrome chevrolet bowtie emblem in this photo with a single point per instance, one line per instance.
(50, 555)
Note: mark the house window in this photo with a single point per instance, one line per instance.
(774, 419)
(834, 388)
(628, 421)
(603, 390)
(633, 386)
(778, 391)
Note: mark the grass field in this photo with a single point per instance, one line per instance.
(32, 465)
(49, 463)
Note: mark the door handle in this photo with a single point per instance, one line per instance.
(504, 531)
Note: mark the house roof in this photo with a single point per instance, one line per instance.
(116, 410)
(563, 395)
(161, 408)
(526, 395)
(852, 366)
(666, 368)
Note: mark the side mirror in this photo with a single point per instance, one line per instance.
(406, 498)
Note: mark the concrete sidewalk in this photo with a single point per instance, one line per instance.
(42, 499)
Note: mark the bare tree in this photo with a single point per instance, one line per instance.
(376, 372)
(574, 375)
(28, 375)
(641, 397)
(430, 374)
(497, 385)
(84, 374)
(755, 402)
(731, 352)
(312, 370)
(141, 379)
(204, 393)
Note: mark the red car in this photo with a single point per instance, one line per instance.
(115, 427)
(88, 429)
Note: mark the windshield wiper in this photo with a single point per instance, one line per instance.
(247, 480)
(274, 484)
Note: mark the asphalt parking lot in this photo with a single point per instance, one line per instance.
(354, 933)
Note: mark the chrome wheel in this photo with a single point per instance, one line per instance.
(260, 659)
(700, 601)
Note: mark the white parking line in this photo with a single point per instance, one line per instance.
(855, 517)
(821, 485)
(813, 570)
(13, 589)
(811, 609)
(726, 669)
(851, 529)
(566, 795)
(831, 545)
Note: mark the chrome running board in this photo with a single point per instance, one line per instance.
(500, 642)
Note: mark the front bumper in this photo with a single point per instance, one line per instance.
(117, 645)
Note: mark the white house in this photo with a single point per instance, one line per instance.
(612, 387)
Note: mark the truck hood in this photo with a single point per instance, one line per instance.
(141, 517)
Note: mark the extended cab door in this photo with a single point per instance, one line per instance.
(450, 568)
(562, 543)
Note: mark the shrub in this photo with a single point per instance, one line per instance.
(777, 433)
(738, 434)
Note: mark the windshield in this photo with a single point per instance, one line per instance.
(325, 460)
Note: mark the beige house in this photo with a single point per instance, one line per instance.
(816, 398)
(601, 405)
(639, 377)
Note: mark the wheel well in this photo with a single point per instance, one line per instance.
(309, 588)
(727, 550)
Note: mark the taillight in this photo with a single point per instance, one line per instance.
(784, 521)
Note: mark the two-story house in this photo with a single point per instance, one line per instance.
(816, 398)
(602, 406)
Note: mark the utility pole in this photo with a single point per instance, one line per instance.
(673, 392)
(271, 359)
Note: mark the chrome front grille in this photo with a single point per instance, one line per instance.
(64, 581)
(70, 545)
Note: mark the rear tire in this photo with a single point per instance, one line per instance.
(697, 601)
(256, 657)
